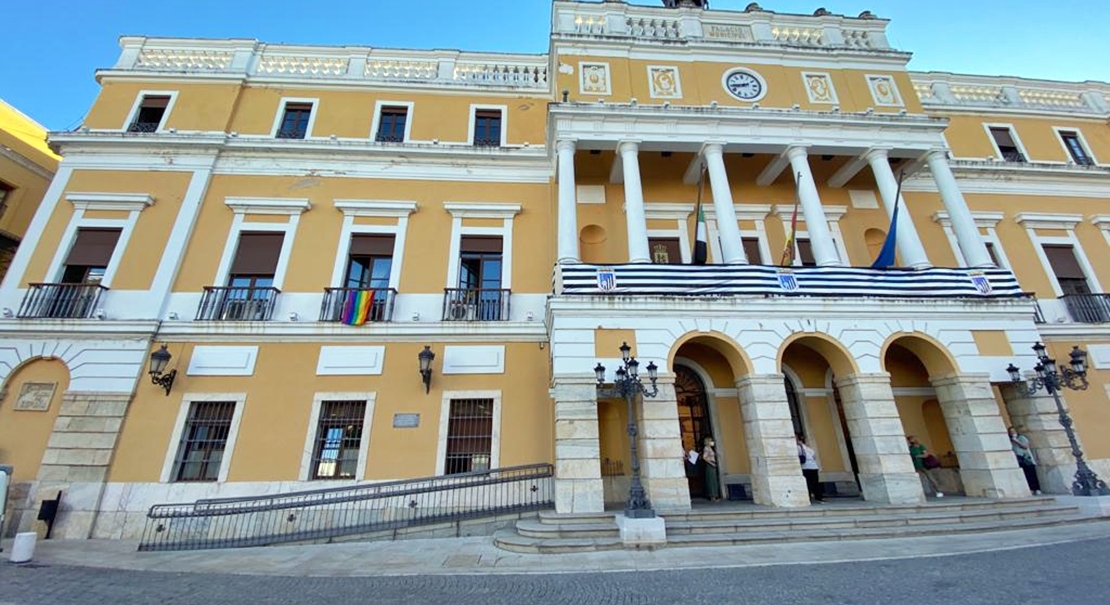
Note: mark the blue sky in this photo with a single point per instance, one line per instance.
(52, 48)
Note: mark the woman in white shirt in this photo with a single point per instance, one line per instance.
(810, 470)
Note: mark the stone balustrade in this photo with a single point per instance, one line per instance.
(940, 90)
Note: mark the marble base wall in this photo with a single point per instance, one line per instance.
(1037, 417)
(660, 449)
(578, 485)
(886, 472)
(775, 473)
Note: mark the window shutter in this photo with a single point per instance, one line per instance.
(1003, 137)
(257, 253)
(93, 247)
(1063, 261)
(156, 102)
(489, 244)
(805, 253)
(371, 245)
(751, 250)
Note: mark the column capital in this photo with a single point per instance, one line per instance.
(936, 154)
(795, 152)
(877, 153)
(715, 148)
(566, 145)
(625, 147)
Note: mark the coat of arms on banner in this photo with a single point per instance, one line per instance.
(787, 281)
(606, 279)
(981, 283)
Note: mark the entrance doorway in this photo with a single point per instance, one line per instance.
(694, 422)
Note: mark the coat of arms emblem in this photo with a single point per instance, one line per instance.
(981, 283)
(787, 281)
(606, 279)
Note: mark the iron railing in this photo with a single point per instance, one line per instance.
(237, 304)
(61, 301)
(1038, 314)
(1013, 156)
(336, 301)
(1088, 308)
(476, 304)
(329, 513)
(144, 126)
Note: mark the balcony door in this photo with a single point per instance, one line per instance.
(250, 286)
(370, 261)
(480, 263)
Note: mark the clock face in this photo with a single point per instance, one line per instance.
(745, 85)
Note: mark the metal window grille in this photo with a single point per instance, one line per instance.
(338, 440)
(469, 436)
(203, 441)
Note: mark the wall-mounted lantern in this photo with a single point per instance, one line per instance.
(158, 362)
(426, 358)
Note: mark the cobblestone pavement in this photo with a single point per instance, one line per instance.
(1076, 573)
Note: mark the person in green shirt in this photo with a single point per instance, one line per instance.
(919, 453)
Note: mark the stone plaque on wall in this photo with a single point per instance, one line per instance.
(35, 396)
(406, 421)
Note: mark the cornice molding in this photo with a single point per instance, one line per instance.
(25, 162)
(110, 201)
(380, 208)
(272, 206)
(481, 210)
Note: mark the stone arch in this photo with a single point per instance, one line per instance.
(836, 354)
(935, 356)
(723, 344)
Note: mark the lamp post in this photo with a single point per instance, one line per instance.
(1052, 379)
(627, 384)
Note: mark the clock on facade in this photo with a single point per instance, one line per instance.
(745, 85)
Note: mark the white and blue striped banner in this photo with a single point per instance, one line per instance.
(728, 280)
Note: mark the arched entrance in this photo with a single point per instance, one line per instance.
(694, 420)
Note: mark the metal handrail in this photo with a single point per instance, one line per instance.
(1088, 308)
(357, 509)
(228, 303)
(60, 301)
(335, 301)
(476, 304)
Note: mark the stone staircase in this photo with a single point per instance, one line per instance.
(728, 524)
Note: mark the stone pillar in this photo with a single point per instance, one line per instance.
(909, 243)
(967, 232)
(988, 467)
(634, 203)
(578, 487)
(1036, 417)
(886, 471)
(77, 457)
(776, 475)
(732, 245)
(568, 204)
(660, 449)
(824, 250)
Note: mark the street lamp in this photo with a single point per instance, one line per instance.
(1052, 378)
(158, 362)
(627, 384)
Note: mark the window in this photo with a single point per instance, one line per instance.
(370, 261)
(1007, 146)
(151, 111)
(469, 436)
(338, 439)
(993, 254)
(294, 122)
(479, 296)
(665, 251)
(1075, 148)
(203, 441)
(1066, 267)
(487, 127)
(805, 253)
(391, 125)
(752, 250)
(250, 294)
(5, 194)
(89, 257)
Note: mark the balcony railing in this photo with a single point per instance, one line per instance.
(61, 301)
(1088, 308)
(237, 304)
(1013, 156)
(337, 302)
(475, 304)
(143, 127)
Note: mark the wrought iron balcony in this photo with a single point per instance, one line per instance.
(61, 301)
(1013, 156)
(291, 133)
(143, 127)
(1088, 308)
(476, 304)
(486, 142)
(337, 300)
(237, 304)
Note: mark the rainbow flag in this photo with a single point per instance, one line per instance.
(356, 309)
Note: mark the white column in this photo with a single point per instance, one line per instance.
(634, 203)
(909, 243)
(824, 250)
(568, 204)
(732, 247)
(967, 232)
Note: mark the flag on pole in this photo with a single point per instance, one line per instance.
(886, 256)
(701, 239)
(788, 250)
(356, 308)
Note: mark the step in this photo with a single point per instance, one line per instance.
(553, 518)
(514, 542)
(835, 509)
(531, 528)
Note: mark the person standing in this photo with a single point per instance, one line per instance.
(712, 480)
(1025, 459)
(920, 455)
(810, 470)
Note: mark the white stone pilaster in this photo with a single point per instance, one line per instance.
(1037, 417)
(776, 474)
(824, 250)
(660, 448)
(886, 472)
(732, 246)
(967, 232)
(578, 486)
(568, 204)
(634, 203)
(909, 242)
(988, 467)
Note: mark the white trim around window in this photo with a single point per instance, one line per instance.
(243, 208)
(475, 108)
(375, 208)
(1066, 222)
(318, 400)
(132, 203)
(462, 210)
(143, 94)
(1082, 143)
(986, 222)
(409, 107)
(444, 422)
(187, 400)
(833, 214)
(280, 116)
(1013, 134)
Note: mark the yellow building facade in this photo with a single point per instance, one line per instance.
(26, 167)
(241, 204)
